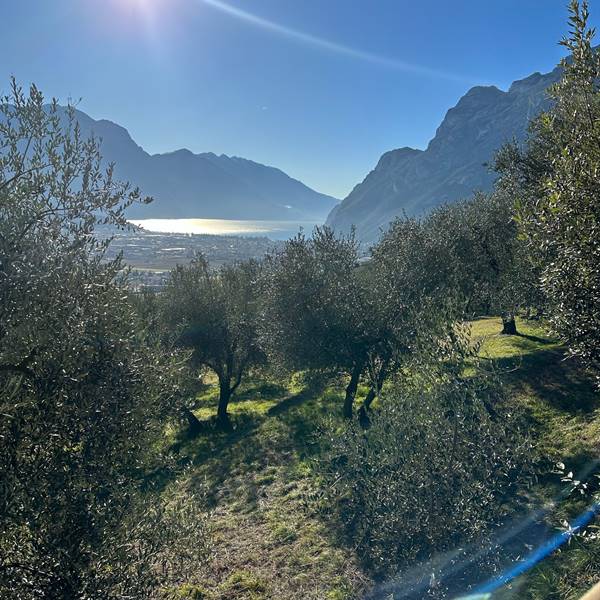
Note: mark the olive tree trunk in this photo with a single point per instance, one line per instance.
(373, 393)
(194, 425)
(509, 325)
(351, 390)
(224, 397)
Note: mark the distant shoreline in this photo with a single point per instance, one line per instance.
(276, 230)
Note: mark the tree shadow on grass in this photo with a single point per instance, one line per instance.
(262, 391)
(562, 403)
(257, 442)
(536, 339)
(559, 382)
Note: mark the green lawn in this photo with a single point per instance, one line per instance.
(560, 399)
(562, 409)
(269, 543)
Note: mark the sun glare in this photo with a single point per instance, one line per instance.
(143, 19)
(148, 10)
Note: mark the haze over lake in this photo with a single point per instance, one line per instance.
(277, 230)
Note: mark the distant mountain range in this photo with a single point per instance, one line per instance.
(187, 185)
(405, 181)
(412, 182)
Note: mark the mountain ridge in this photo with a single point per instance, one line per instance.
(452, 166)
(185, 184)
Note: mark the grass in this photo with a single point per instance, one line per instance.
(562, 411)
(559, 398)
(532, 338)
(254, 399)
(268, 541)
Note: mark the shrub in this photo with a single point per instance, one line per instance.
(438, 467)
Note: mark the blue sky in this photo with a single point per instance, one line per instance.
(318, 88)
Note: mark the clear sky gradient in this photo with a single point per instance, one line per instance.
(318, 88)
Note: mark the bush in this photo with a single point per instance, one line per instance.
(84, 390)
(438, 467)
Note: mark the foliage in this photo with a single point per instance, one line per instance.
(574, 570)
(325, 310)
(215, 314)
(318, 312)
(413, 290)
(492, 263)
(81, 394)
(441, 463)
(467, 251)
(309, 290)
(159, 545)
(555, 180)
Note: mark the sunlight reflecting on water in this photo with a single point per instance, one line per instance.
(272, 229)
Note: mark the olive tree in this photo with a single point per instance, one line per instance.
(467, 254)
(488, 262)
(318, 311)
(555, 182)
(412, 288)
(149, 312)
(435, 471)
(215, 314)
(80, 394)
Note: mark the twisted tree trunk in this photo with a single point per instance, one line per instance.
(224, 397)
(509, 326)
(351, 390)
(374, 392)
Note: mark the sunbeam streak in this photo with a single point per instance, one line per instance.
(334, 47)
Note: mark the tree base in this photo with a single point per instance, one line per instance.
(363, 418)
(194, 426)
(224, 424)
(509, 327)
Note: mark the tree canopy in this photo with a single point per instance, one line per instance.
(554, 181)
(215, 314)
(81, 394)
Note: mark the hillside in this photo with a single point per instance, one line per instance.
(188, 185)
(413, 181)
(272, 540)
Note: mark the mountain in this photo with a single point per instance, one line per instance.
(453, 166)
(187, 185)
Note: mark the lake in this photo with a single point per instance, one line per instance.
(276, 230)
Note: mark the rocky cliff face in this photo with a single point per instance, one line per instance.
(188, 185)
(454, 164)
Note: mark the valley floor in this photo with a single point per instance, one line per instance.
(268, 540)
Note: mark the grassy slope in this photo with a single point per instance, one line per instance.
(561, 401)
(562, 409)
(269, 543)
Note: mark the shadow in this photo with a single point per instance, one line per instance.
(290, 402)
(536, 339)
(263, 391)
(559, 381)
(230, 461)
